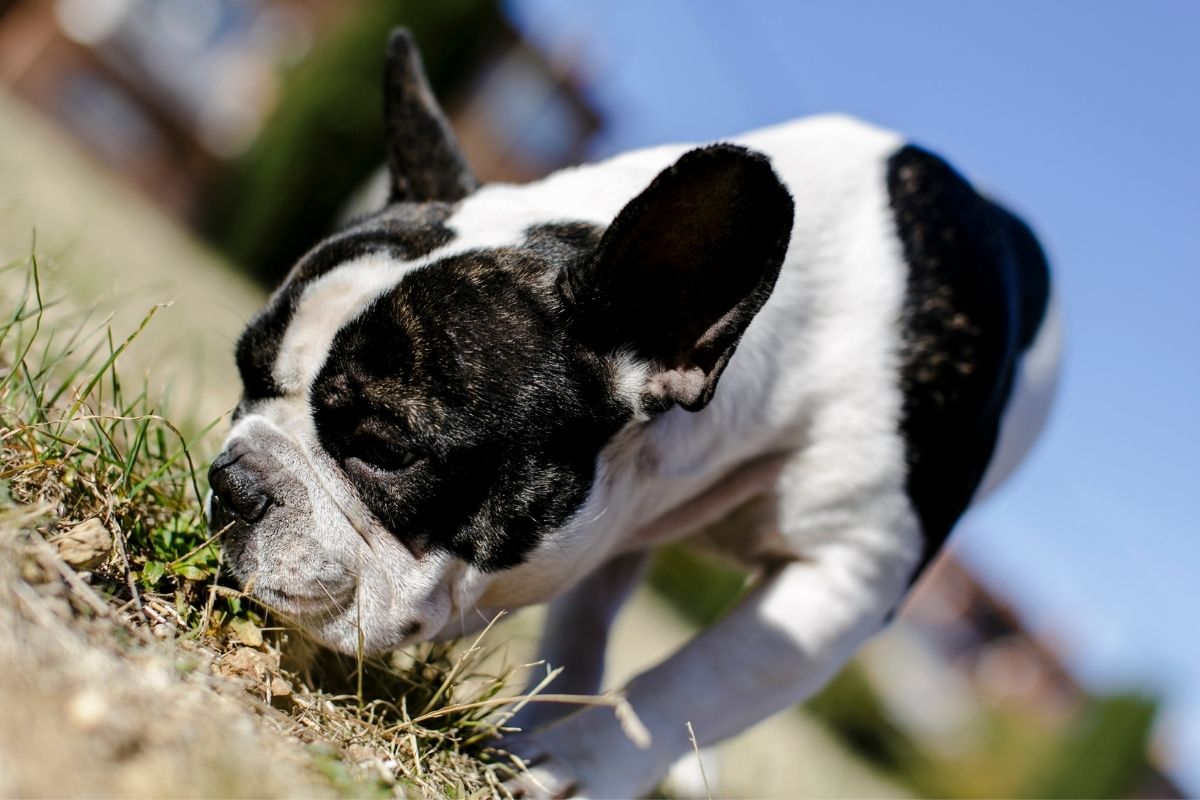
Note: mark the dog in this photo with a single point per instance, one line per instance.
(810, 347)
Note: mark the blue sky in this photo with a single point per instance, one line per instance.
(1083, 116)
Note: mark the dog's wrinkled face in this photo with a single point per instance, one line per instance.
(406, 432)
(421, 424)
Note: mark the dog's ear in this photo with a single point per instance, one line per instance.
(424, 158)
(683, 269)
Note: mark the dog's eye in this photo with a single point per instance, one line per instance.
(380, 453)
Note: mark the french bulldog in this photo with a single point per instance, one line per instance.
(810, 347)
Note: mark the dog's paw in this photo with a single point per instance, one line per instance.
(542, 774)
(584, 755)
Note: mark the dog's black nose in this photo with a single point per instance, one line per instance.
(239, 479)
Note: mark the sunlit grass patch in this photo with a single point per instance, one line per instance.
(80, 441)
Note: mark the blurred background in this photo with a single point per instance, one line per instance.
(192, 149)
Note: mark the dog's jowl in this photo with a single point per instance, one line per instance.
(813, 345)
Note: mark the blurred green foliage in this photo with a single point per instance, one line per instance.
(1102, 753)
(325, 138)
(851, 707)
(699, 587)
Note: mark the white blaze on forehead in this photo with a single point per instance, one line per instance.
(325, 306)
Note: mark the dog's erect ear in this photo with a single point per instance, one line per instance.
(424, 158)
(683, 269)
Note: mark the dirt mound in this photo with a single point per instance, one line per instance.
(88, 708)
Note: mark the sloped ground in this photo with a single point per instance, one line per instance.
(88, 709)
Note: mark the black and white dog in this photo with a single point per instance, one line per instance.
(812, 346)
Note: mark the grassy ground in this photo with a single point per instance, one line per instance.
(106, 543)
(126, 666)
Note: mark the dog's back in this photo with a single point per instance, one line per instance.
(909, 348)
(977, 297)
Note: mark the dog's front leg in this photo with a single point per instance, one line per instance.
(786, 638)
(575, 637)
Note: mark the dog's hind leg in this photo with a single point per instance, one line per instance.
(576, 635)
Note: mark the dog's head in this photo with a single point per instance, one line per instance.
(421, 425)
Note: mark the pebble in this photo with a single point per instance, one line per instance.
(86, 546)
(87, 709)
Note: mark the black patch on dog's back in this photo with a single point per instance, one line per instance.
(977, 291)
(404, 230)
(466, 365)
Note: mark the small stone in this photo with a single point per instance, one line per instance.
(87, 709)
(280, 687)
(86, 546)
(245, 662)
(279, 693)
(386, 770)
(246, 632)
(358, 753)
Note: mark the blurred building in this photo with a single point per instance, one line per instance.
(160, 91)
(523, 115)
(167, 92)
(979, 638)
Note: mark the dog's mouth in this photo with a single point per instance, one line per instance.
(321, 604)
(337, 621)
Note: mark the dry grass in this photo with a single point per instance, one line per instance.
(101, 509)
